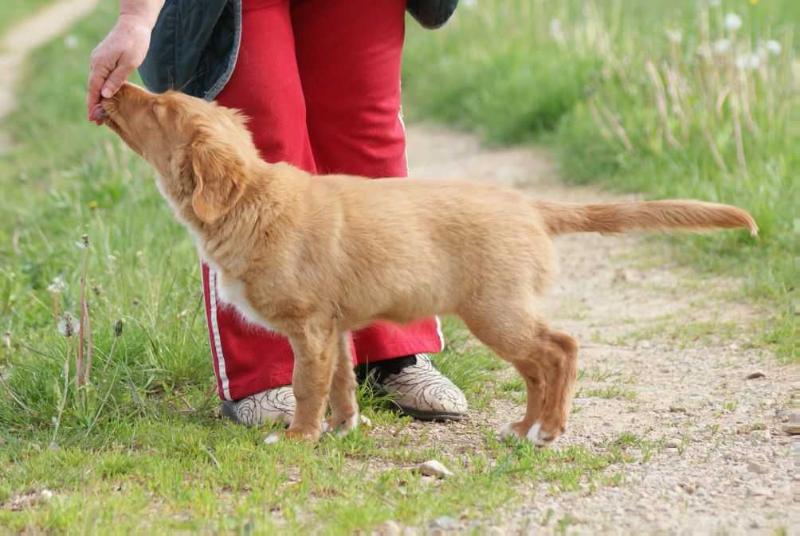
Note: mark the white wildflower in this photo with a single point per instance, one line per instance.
(733, 22)
(722, 46)
(71, 41)
(556, 31)
(774, 47)
(748, 62)
(674, 36)
(67, 325)
(57, 286)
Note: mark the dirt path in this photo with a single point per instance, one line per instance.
(653, 366)
(26, 36)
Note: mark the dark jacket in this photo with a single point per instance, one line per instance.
(195, 43)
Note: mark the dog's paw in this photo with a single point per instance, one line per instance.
(535, 434)
(344, 426)
(506, 431)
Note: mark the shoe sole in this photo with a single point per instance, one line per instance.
(436, 416)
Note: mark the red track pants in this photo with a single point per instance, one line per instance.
(320, 82)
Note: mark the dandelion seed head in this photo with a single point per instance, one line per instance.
(722, 46)
(774, 47)
(748, 62)
(733, 22)
(674, 36)
(57, 285)
(71, 41)
(556, 31)
(67, 325)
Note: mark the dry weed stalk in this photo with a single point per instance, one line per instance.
(661, 103)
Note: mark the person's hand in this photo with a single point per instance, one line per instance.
(122, 51)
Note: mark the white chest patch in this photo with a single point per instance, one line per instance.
(231, 291)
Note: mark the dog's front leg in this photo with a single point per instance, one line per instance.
(315, 351)
(344, 407)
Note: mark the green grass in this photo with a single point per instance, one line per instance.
(575, 74)
(140, 447)
(12, 11)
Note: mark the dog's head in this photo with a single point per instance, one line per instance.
(203, 152)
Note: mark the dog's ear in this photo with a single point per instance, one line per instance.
(219, 177)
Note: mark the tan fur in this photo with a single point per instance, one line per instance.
(318, 256)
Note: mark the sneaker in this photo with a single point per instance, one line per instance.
(418, 389)
(270, 406)
(412, 383)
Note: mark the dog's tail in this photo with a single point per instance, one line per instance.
(562, 218)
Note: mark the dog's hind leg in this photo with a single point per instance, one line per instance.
(546, 359)
(550, 371)
(344, 407)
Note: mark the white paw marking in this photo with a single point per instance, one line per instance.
(365, 421)
(325, 427)
(272, 438)
(537, 436)
(533, 433)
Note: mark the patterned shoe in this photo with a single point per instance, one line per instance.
(419, 390)
(270, 406)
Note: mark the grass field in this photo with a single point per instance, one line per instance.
(681, 98)
(140, 445)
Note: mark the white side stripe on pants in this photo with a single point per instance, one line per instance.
(212, 295)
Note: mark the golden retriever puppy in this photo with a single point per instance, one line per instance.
(313, 257)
